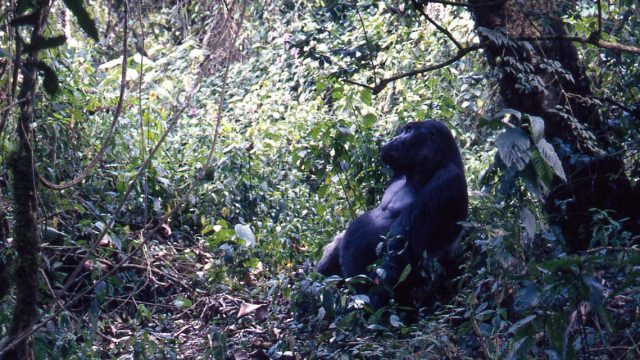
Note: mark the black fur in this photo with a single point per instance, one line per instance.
(419, 214)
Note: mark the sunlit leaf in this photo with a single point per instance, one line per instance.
(513, 147)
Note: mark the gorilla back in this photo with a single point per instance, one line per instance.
(419, 216)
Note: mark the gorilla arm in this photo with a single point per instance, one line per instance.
(330, 262)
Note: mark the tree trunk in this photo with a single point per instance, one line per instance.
(547, 79)
(22, 164)
(5, 265)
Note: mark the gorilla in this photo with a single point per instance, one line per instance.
(417, 221)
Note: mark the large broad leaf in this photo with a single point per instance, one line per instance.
(514, 148)
(527, 297)
(520, 348)
(85, 21)
(515, 328)
(549, 155)
(537, 128)
(531, 181)
(528, 222)
(543, 169)
(244, 232)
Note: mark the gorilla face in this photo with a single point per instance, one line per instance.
(419, 146)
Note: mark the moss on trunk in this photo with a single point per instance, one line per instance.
(25, 238)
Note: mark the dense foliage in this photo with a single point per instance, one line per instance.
(279, 86)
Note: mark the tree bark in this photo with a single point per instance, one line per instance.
(5, 264)
(22, 164)
(573, 123)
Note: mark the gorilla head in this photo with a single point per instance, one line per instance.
(420, 149)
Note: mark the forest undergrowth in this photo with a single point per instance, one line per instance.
(238, 150)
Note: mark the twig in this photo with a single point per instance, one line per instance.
(635, 346)
(420, 9)
(143, 143)
(366, 38)
(476, 329)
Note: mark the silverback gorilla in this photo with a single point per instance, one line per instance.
(418, 218)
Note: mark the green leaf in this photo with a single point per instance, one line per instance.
(537, 128)
(328, 302)
(182, 302)
(550, 156)
(530, 179)
(521, 324)
(556, 326)
(41, 43)
(544, 171)
(101, 291)
(244, 232)
(365, 96)
(520, 348)
(528, 222)
(85, 21)
(513, 147)
(527, 297)
(395, 321)
(50, 78)
(143, 312)
(376, 327)
(405, 273)
(368, 120)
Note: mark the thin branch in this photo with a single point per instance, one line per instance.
(376, 89)
(366, 38)
(420, 9)
(634, 112)
(372, 88)
(143, 142)
(116, 116)
(593, 40)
